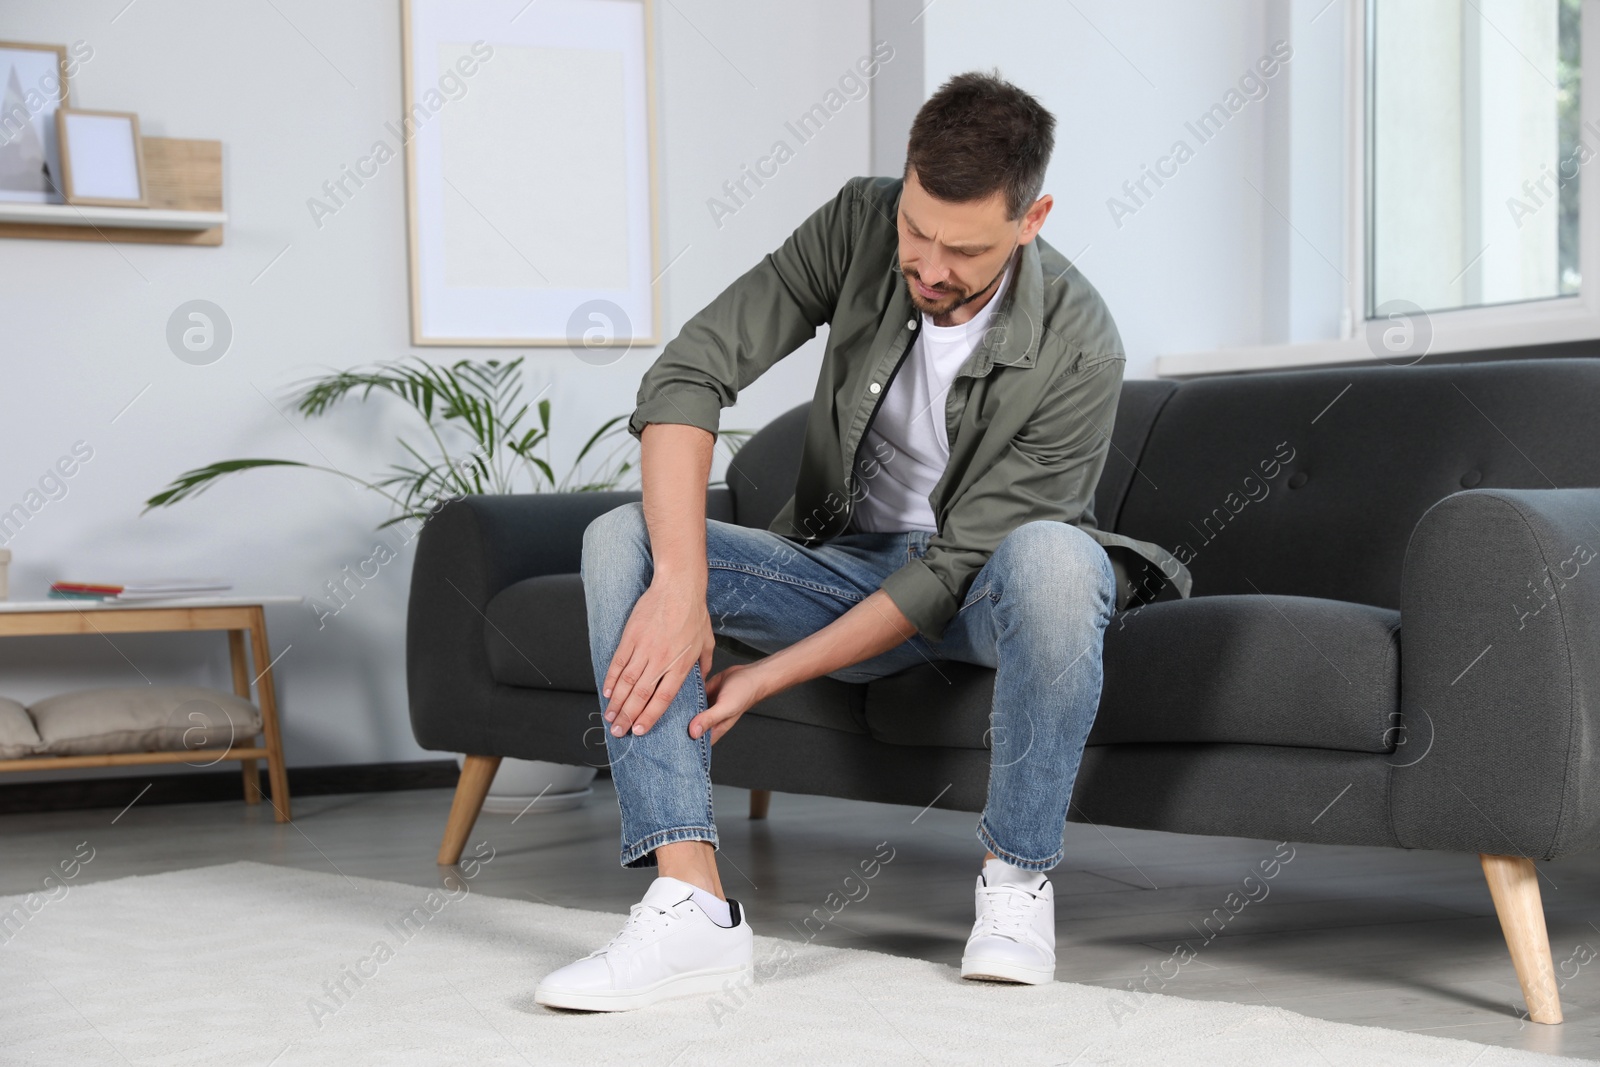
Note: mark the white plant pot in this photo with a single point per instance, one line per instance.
(535, 786)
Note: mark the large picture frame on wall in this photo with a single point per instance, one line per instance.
(530, 155)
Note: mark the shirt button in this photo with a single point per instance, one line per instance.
(874, 388)
(911, 324)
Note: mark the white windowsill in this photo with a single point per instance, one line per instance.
(1469, 330)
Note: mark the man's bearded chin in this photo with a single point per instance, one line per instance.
(943, 306)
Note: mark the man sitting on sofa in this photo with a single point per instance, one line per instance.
(942, 512)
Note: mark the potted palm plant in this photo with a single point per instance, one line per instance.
(478, 438)
(478, 435)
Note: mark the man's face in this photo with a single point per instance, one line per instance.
(950, 252)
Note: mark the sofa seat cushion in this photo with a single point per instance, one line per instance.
(1271, 670)
(537, 636)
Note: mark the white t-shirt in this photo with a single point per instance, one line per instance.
(905, 451)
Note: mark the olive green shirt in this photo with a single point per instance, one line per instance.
(1028, 416)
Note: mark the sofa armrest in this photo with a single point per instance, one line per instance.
(1500, 675)
(471, 549)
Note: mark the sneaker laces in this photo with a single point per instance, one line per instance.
(1007, 912)
(644, 922)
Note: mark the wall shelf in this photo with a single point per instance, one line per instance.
(183, 183)
(118, 217)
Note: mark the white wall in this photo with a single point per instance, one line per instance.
(294, 96)
(1307, 171)
(1186, 270)
(900, 91)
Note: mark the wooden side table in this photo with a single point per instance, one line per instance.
(237, 615)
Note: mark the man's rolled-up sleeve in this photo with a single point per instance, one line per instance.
(767, 313)
(1049, 471)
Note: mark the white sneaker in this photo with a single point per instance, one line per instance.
(668, 947)
(1014, 938)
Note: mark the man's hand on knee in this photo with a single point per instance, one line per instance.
(668, 632)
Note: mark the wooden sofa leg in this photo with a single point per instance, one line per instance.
(473, 785)
(760, 800)
(1514, 885)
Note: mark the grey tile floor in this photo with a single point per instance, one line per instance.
(1376, 937)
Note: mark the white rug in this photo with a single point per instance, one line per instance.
(241, 963)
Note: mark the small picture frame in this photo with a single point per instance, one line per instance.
(33, 88)
(102, 158)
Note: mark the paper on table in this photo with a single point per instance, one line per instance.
(168, 586)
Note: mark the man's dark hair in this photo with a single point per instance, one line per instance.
(978, 134)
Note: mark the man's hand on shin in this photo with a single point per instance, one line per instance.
(668, 632)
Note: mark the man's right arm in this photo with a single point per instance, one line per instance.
(766, 313)
(669, 629)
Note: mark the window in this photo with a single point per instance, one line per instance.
(1473, 152)
(1431, 184)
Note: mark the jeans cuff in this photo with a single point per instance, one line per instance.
(642, 852)
(987, 837)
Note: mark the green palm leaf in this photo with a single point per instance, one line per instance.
(197, 481)
(473, 416)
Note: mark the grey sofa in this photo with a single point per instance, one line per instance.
(1317, 511)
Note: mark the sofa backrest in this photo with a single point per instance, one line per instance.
(1305, 482)
(1310, 482)
(1137, 410)
(762, 475)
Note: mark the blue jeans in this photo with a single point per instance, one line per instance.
(1036, 612)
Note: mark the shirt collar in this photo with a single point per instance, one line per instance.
(1018, 323)
(1014, 334)
(1012, 337)
(1015, 330)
